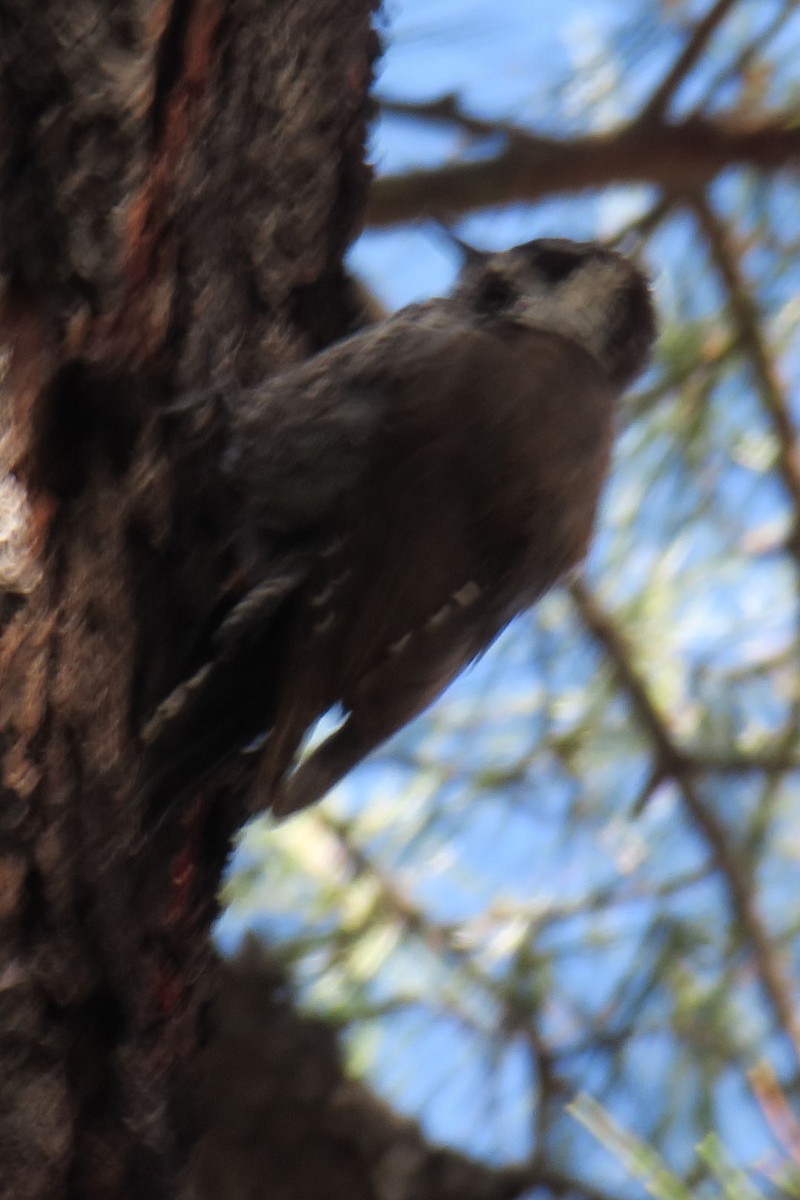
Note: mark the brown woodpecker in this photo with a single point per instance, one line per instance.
(407, 492)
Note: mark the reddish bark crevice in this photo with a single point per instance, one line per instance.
(171, 178)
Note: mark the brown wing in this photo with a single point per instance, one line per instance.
(481, 491)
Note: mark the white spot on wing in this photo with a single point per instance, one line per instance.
(467, 595)
(322, 598)
(399, 646)
(175, 701)
(438, 618)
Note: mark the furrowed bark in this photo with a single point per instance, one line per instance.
(178, 182)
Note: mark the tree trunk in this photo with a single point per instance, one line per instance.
(285, 1123)
(178, 182)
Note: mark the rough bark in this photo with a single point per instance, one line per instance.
(178, 181)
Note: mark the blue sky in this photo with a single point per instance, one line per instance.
(499, 872)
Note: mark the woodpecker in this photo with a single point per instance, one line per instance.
(404, 494)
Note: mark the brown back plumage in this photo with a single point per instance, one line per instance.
(425, 481)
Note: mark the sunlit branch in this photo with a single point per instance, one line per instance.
(517, 1018)
(448, 110)
(748, 53)
(748, 325)
(764, 762)
(776, 1109)
(673, 379)
(780, 660)
(674, 158)
(658, 103)
(747, 322)
(560, 1183)
(673, 764)
(643, 226)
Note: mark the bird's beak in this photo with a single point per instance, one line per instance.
(630, 242)
(469, 254)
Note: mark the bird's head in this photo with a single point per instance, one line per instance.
(582, 290)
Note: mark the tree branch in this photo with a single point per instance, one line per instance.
(748, 53)
(675, 158)
(658, 103)
(447, 110)
(673, 764)
(748, 327)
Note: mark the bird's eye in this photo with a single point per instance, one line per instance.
(556, 265)
(496, 294)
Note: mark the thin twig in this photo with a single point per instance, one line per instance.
(675, 766)
(747, 54)
(733, 763)
(656, 107)
(447, 110)
(680, 159)
(748, 326)
(518, 1018)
